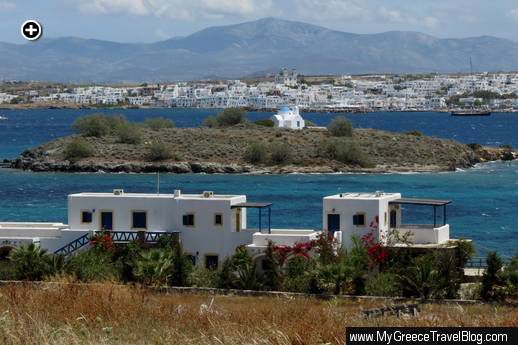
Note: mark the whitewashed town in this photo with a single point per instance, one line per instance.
(429, 92)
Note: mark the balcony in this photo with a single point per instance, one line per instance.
(282, 237)
(425, 233)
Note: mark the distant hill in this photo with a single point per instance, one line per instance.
(245, 49)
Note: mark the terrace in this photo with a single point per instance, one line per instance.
(434, 233)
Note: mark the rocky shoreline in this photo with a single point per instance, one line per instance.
(31, 161)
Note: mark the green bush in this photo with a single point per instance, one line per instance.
(340, 127)
(492, 280)
(77, 149)
(158, 123)
(264, 123)
(345, 151)
(182, 266)
(383, 284)
(159, 151)
(31, 262)
(203, 277)
(211, 122)
(153, 267)
(7, 270)
(98, 125)
(255, 153)
(414, 133)
(128, 133)
(92, 265)
(280, 153)
(231, 117)
(299, 273)
(226, 118)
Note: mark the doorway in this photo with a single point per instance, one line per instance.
(106, 220)
(333, 224)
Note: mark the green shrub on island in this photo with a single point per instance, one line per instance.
(77, 149)
(344, 151)
(414, 133)
(227, 118)
(128, 133)
(256, 153)
(340, 127)
(158, 123)
(264, 123)
(98, 125)
(280, 153)
(159, 151)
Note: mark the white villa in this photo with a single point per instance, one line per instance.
(211, 226)
(289, 118)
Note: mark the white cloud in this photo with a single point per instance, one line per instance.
(392, 15)
(514, 13)
(7, 5)
(326, 10)
(430, 22)
(178, 9)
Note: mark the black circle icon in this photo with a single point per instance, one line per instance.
(31, 30)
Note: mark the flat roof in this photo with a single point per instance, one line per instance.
(416, 201)
(252, 205)
(155, 196)
(364, 196)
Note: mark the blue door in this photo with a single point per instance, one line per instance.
(106, 221)
(333, 224)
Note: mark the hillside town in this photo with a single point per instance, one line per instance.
(430, 92)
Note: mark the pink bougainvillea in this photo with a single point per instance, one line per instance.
(103, 241)
(377, 252)
(301, 249)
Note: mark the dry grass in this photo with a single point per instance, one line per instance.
(111, 314)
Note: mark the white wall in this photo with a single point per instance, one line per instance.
(166, 214)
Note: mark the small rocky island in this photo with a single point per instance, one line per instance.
(229, 144)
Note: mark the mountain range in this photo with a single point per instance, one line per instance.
(251, 49)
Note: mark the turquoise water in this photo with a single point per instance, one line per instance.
(485, 199)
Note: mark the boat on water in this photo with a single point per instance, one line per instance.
(471, 113)
(3, 118)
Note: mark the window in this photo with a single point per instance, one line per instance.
(139, 220)
(218, 219)
(188, 220)
(211, 262)
(359, 219)
(86, 217)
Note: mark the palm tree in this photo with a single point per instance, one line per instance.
(31, 262)
(422, 280)
(153, 267)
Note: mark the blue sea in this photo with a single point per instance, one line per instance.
(485, 198)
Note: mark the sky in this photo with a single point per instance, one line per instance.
(155, 20)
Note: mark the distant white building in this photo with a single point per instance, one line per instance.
(287, 77)
(289, 118)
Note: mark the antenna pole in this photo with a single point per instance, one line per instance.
(158, 182)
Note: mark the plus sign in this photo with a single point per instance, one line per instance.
(31, 29)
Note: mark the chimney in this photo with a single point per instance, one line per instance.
(177, 193)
